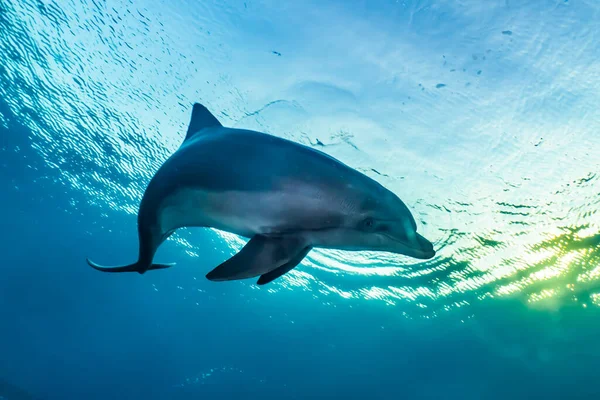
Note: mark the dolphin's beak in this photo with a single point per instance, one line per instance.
(423, 247)
(418, 247)
(414, 245)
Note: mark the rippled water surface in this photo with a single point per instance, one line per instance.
(481, 116)
(489, 132)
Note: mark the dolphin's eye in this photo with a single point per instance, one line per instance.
(369, 223)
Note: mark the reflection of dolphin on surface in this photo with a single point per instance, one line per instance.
(285, 197)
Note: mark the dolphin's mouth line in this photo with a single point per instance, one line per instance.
(420, 253)
(417, 251)
(395, 239)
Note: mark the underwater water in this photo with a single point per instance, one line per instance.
(482, 116)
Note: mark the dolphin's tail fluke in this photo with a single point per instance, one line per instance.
(136, 267)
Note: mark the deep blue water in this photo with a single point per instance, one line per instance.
(483, 118)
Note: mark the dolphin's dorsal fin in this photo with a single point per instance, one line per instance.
(201, 118)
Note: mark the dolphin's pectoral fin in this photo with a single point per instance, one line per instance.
(284, 269)
(136, 267)
(259, 256)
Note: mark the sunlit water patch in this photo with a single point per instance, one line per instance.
(490, 133)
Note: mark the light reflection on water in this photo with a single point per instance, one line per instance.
(490, 138)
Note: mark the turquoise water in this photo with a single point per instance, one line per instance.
(481, 116)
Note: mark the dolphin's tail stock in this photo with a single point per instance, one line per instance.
(135, 267)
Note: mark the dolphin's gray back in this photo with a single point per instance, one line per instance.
(225, 159)
(254, 161)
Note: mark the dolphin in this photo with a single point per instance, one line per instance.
(286, 198)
